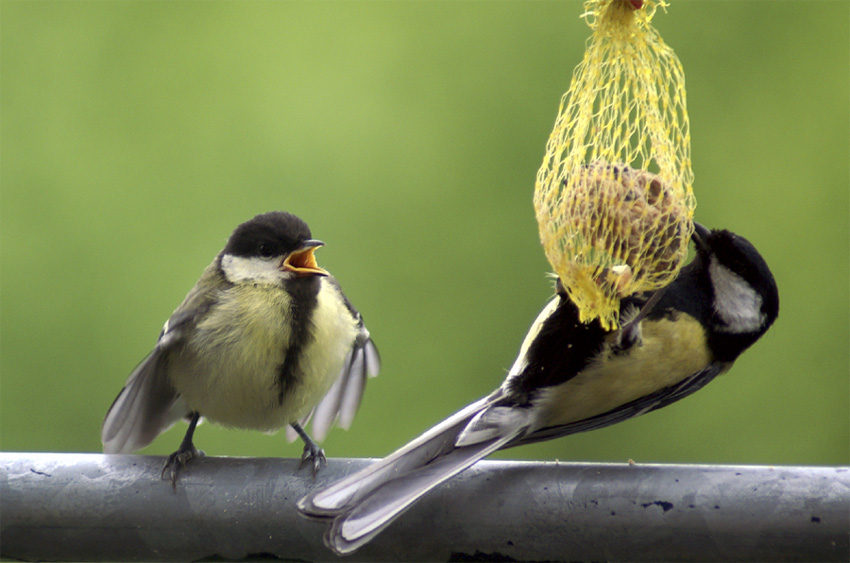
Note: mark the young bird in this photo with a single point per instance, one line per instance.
(264, 337)
(571, 377)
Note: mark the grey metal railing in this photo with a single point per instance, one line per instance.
(115, 507)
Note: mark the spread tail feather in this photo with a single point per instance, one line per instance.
(362, 505)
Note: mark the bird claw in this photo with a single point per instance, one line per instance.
(314, 453)
(178, 460)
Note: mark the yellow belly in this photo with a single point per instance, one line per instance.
(670, 352)
(234, 382)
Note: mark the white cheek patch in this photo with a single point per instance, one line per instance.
(252, 270)
(735, 301)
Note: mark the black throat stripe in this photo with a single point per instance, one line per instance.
(303, 300)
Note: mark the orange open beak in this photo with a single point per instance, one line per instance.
(302, 261)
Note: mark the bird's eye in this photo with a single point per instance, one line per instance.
(265, 250)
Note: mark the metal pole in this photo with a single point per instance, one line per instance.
(75, 507)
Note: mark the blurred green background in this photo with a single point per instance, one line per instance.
(135, 136)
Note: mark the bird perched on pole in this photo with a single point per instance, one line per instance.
(265, 339)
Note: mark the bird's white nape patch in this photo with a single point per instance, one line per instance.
(238, 269)
(735, 301)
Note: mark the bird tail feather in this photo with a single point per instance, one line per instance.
(362, 505)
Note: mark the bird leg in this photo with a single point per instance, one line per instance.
(630, 333)
(184, 453)
(312, 451)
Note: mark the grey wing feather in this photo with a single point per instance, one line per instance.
(365, 364)
(144, 408)
(148, 405)
(341, 402)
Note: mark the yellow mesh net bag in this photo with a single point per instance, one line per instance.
(614, 198)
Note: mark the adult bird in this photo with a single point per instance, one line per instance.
(571, 377)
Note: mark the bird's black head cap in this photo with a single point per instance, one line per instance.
(739, 255)
(270, 234)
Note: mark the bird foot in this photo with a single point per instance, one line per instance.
(312, 452)
(178, 460)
